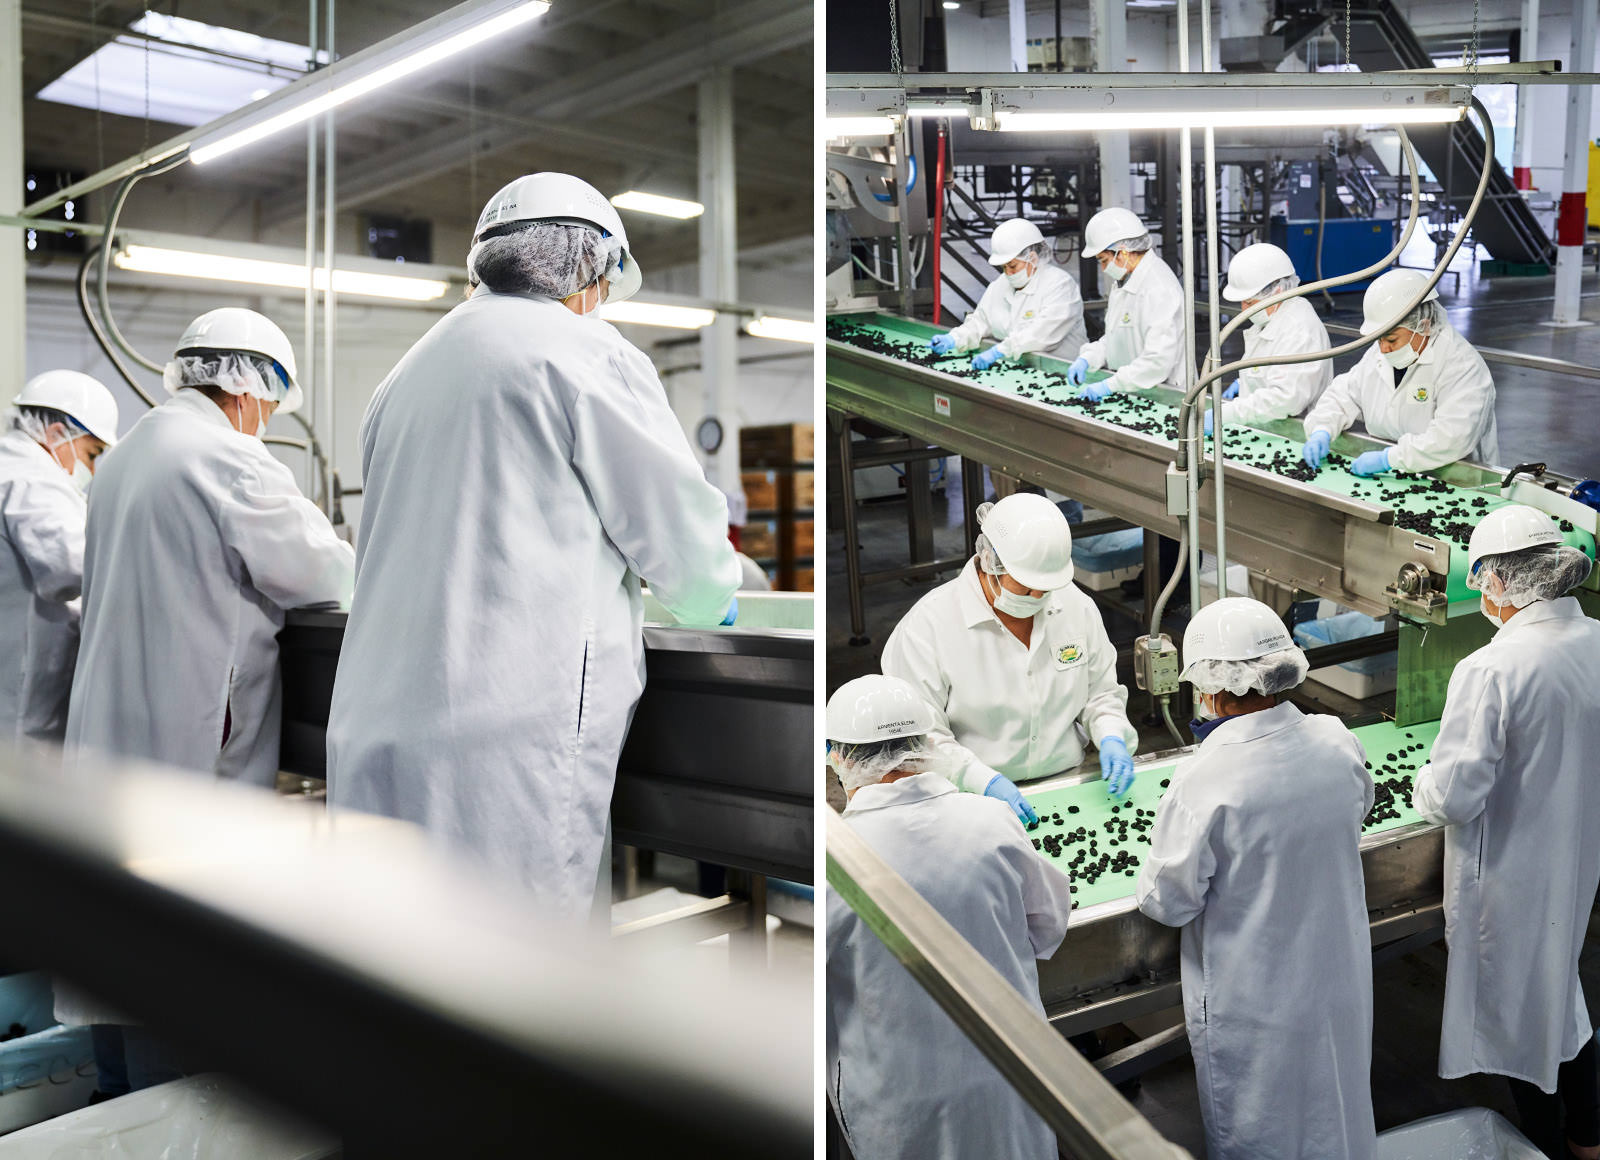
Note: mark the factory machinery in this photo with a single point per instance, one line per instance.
(718, 765)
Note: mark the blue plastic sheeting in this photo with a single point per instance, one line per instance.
(1347, 626)
(45, 1057)
(1109, 552)
(26, 999)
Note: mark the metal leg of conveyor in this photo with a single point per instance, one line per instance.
(919, 510)
(852, 546)
(971, 498)
(747, 948)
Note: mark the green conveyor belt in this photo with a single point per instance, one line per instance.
(1121, 834)
(1421, 503)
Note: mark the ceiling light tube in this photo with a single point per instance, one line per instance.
(834, 128)
(673, 207)
(454, 32)
(786, 329)
(658, 314)
(258, 272)
(1229, 119)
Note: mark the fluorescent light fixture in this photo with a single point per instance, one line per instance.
(657, 314)
(1083, 109)
(257, 272)
(787, 329)
(197, 72)
(335, 87)
(672, 207)
(836, 127)
(927, 109)
(951, 5)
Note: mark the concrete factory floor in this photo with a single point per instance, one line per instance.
(1541, 418)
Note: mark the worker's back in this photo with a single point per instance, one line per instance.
(905, 1081)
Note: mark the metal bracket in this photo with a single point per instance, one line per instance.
(1419, 594)
(983, 115)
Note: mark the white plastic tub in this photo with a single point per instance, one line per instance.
(1470, 1134)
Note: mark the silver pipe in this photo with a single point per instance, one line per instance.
(330, 211)
(308, 348)
(1213, 274)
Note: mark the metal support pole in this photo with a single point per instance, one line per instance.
(309, 382)
(971, 498)
(13, 247)
(1522, 167)
(1572, 221)
(719, 270)
(906, 280)
(852, 546)
(1213, 277)
(328, 380)
(919, 510)
(1108, 27)
(1186, 202)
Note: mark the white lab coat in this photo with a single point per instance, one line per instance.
(197, 541)
(1278, 392)
(906, 1083)
(1000, 707)
(1143, 342)
(523, 471)
(41, 575)
(1512, 776)
(1441, 411)
(1256, 854)
(1044, 317)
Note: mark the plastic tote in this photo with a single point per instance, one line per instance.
(1470, 1134)
(203, 1117)
(49, 1069)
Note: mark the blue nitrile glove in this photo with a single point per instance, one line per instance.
(1001, 788)
(1077, 371)
(982, 362)
(1116, 765)
(1316, 448)
(1094, 392)
(942, 343)
(1231, 391)
(733, 613)
(1371, 463)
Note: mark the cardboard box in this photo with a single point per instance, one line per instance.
(759, 540)
(802, 537)
(783, 445)
(785, 490)
(760, 490)
(804, 580)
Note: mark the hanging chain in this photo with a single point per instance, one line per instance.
(1347, 34)
(99, 129)
(894, 39)
(1472, 56)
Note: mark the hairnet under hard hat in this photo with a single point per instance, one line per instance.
(872, 761)
(1280, 286)
(556, 259)
(1136, 245)
(1425, 318)
(1543, 573)
(1277, 672)
(232, 371)
(34, 422)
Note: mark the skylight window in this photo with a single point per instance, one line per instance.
(197, 72)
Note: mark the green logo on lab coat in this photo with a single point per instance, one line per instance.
(1068, 654)
(1421, 395)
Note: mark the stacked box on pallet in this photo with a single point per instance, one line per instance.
(780, 492)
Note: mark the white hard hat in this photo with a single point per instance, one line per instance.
(1510, 529)
(1011, 238)
(233, 328)
(74, 393)
(1110, 226)
(1253, 269)
(1032, 539)
(561, 197)
(876, 708)
(1234, 628)
(1388, 293)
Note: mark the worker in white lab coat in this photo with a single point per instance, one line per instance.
(904, 1082)
(523, 473)
(1143, 342)
(1262, 394)
(1256, 855)
(1512, 776)
(63, 421)
(1015, 661)
(1034, 307)
(197, 542)
(1421, 385)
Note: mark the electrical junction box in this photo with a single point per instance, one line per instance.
(1155, 664)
